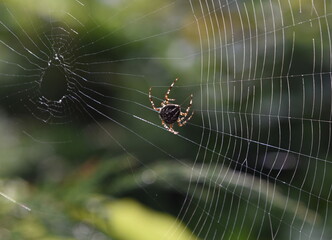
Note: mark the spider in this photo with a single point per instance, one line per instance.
(171, 113)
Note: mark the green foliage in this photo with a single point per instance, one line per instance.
(94, 178)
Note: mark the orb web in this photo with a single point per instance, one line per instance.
(252, 163)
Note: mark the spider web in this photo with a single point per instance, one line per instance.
(252, 163)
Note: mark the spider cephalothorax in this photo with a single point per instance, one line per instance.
(171, 113)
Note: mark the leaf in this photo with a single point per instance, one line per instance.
(126, 219)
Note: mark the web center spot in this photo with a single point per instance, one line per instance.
(54, 83)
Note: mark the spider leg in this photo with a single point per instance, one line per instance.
(188, 108)
(182, 121)
(151, 101)
(172, 130)
(169, 128)
(168, 91)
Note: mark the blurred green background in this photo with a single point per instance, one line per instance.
(97, 164)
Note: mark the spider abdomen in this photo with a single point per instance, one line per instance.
(170, 113)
